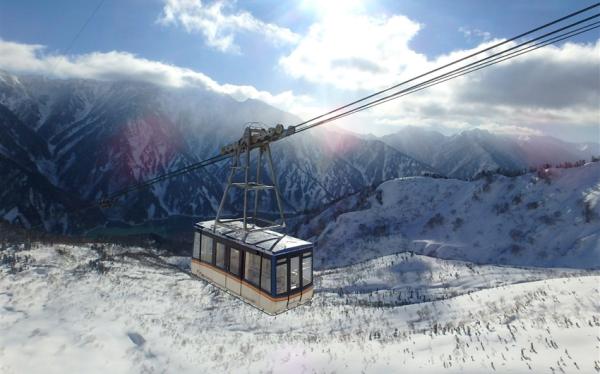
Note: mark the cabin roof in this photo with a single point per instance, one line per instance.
(264, 241)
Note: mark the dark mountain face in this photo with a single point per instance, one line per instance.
(27, 196)
(65, 143)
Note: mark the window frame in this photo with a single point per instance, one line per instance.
(281, 261)
(286, 259)
(217, 244)
(302, 258)
(197, 244)
(249, 281)
(239, 261)
(212, 249)
(298, 282)
(262, 277)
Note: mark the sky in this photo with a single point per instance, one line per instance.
(307, 56)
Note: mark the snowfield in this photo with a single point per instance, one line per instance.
(122, 310)
(549, 221)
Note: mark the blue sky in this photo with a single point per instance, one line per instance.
(279, 60)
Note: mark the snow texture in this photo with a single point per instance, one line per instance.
(124, 310)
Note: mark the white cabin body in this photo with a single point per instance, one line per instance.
(269, 270)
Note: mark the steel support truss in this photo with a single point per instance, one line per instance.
(255, 138)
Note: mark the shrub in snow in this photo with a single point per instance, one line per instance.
(15, 262)
(379, 196)
(516, 200)
(97, 266)
(500, 208)
(588, 212)
(515, 249)
(380, 230)
(457, 223)
(545, 174)
(517, 235)
(436, 220)
(546, 219)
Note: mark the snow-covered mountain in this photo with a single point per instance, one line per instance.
(551, 219)
(67, 142)
(540, 149)
(468, 153)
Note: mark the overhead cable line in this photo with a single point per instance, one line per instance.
(85, 24)
(178, 172)
(79, 32)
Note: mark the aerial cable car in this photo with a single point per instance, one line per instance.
(246, 256)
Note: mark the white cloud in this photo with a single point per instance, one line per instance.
(220, 27)
(31, 58)
(510, 129)
(354, 51)
(471, 34)
(549, 87)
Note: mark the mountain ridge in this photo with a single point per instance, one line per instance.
(468, 153)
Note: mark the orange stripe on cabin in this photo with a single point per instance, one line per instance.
(262, 292)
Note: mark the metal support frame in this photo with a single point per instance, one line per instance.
(259, 139)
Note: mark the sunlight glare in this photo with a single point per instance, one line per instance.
(333, 7)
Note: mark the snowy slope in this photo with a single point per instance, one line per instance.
(520, 221)
(65, 309)
(408, 278)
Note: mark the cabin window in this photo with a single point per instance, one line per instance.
(196, 253)
(252, 269)
(281, 276)
(206, 251)
(234, 261)
(294, 273)
(265, 278)
(306, 270)
(220, 255)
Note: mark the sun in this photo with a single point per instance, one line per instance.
(333, 7)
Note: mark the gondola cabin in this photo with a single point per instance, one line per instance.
(245, 256)
(269, 270)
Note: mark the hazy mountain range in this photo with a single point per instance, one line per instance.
(467, 153)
